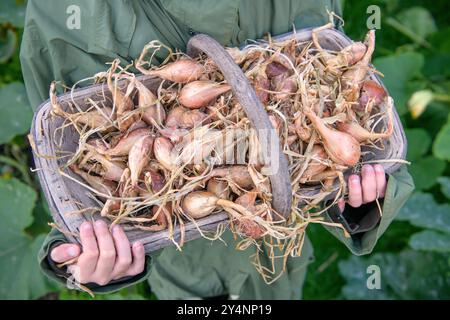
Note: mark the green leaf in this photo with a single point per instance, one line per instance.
(422, 210)
(16, 114)
(430, 241)
(441, 146)
(445, 186)
(407, 275)
(418, 143)
(418, 20)
(426, 171)
(20, 277)
(8, 46)
(13, 12)
(398, 70)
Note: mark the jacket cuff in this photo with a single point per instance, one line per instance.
(60, 275)
(399, 187)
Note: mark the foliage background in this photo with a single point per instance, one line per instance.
(413, 52)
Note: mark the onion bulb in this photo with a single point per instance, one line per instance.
(219, 188)
(316, 165)
(162, 149)
(199, 94)
(181, 71)
(126, 142)
(341, 147)
(237, 174)
(139, 157)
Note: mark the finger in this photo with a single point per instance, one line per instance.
(138, 264)
(107, 253)
(123, 250)
(341, 204)
(88, 258)
(369, 184)
(354, 191)
(65, 252)
(381, 180)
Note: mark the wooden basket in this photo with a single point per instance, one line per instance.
(65, 196)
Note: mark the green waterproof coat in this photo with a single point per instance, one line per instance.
(69, 40)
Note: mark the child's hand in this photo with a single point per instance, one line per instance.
(105, 256)
(370, 186)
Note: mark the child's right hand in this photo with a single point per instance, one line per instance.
(105, 256)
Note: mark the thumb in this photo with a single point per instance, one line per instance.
(65, 252)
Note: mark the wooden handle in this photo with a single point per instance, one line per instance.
(244, 92)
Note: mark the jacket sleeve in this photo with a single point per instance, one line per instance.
(399, 187)
(60, 275)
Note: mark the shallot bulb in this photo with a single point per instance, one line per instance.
(341, 147)
(372, 92)
(199, 94)
(139, 157)
(98, 183)
(162, 149)
(97, 118)
(181, 71)
(126, 142)
(122, 101)
(353, 78)
(219, 188)
(361, 134)
(275, 69)
(152, 112)
(199, 204)
(112, 170)
(237, 174)
(284, 87)
(180, 117)
(316, 165)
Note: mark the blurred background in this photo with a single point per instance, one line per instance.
(413, 52)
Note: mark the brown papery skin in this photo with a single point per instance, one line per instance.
(341, 147)
(180, 117)
(198, 94)
(199, 204)
(139, 157)
(238, 174)
(162, 149)
(315, 167)
(125, 143)
(99, 184)
(246, 226)
(274, 69)
(361, 134)
(371, 91)
(181, 71)
(353, 78)
(219, 187)
(284, 86)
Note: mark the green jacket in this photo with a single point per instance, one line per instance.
(54, 48)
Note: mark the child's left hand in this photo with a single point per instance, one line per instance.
(370, 186)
